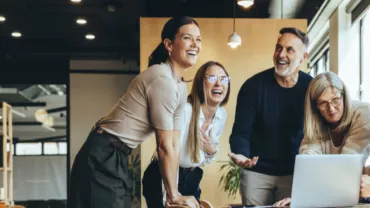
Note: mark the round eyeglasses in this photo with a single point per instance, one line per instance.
(334, 102)
(213, 79)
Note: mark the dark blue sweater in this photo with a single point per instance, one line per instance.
(269, 122)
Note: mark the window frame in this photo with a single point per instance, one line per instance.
(42, 148)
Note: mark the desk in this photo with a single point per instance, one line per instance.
(241, 206)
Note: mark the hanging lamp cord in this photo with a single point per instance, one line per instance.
(234, 15)
(281, 7)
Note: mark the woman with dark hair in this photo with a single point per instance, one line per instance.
(154, 102)
(204, 121)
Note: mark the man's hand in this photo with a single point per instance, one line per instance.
(188, 201)
(282, 203)
(242, 161)
(365, 186)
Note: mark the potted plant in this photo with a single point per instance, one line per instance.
(230, 179)
(134, 170)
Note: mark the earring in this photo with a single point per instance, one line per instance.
(169, 53)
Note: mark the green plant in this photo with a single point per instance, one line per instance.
(230, 179)
(134, 170)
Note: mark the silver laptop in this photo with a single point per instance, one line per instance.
(326, 180)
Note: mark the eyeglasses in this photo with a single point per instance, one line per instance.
(213, 79)
(334, 102)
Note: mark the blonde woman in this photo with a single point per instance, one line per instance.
(334, 124)
(203, 124)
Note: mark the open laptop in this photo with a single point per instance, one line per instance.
(327, 180)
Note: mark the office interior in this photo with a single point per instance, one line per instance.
(65, 63)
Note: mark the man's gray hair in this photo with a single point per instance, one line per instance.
(301, 35)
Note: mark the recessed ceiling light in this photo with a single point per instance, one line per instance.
(2, 18)
(81, 21)
(76, 1)
(16, 34)
(90, 36)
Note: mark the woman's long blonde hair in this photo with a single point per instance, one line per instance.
(196, 98)
(315, 125)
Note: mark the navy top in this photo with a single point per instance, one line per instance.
(269, 122)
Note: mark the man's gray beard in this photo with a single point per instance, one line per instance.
(286, 72)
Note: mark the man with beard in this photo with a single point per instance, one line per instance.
(268, 125)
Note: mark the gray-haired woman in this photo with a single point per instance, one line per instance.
(335, 124)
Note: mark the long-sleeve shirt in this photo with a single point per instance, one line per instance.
(356, 140)
(217, 126)
(269, 122)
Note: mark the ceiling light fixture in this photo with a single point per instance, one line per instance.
(234, 39)
(76, 1)
(81, 21)
(16, 34)
(90, 36)
(2, 18)
(41, 115)
(245, 3)
(49, 122)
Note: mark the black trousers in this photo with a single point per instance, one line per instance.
(99, 176)
(152, 184)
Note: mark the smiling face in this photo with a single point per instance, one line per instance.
(330, 105)
(216, 84)
(184, 49)
(289, 54)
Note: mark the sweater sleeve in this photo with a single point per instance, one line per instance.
(310, 148)
(245, 114)
(358, 137)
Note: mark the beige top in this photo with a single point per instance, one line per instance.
(356, 140)
(155, 99)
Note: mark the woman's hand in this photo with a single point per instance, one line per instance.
(365, 186)
(208, 145)
(282, 203)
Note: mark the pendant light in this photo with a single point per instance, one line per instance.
(245, 3)
(234, 39)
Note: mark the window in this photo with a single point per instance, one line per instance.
(41, 148)
(51, 148)
(55, 148)
(321, 65)
(62, 148)
(28, 149)
(8, 146)
(365, 62)
(349, 60)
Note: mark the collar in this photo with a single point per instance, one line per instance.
(218, 114)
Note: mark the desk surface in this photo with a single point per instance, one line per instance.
(241, 206)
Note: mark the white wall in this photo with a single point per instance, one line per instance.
(91, 97)
(39, 177)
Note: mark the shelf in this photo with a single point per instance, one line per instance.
(2, 169)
